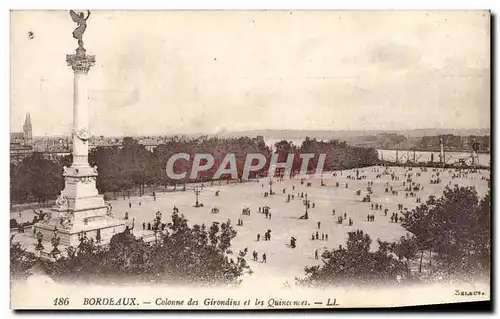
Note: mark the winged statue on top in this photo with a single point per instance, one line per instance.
(81, 20)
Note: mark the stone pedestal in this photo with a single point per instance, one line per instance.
(104, 228)
(80, 210)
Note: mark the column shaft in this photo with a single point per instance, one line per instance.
(80, 120)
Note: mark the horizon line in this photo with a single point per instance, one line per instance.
(273, 130)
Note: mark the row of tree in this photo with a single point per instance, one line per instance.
(132, 165)
(35, 179)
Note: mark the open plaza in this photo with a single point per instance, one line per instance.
(221, 201)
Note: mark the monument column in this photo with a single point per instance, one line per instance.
(80, 210)
(81, 64)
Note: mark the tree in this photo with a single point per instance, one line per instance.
(356, 265)
(405, 249)
(13, 223)
(36, 178)
(20, 260)
(193, 255)
(79, 264)
(457, 228)
(198, 255)
(128, 255)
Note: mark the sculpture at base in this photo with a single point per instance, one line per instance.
(47, 217)
(55, 240)
(82, 134)
(109, 208)
(66, 220)
(39, 239)
(62, 201)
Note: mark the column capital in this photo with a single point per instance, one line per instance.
(80, 62)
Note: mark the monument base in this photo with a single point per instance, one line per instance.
(80, 210)
(103, 227)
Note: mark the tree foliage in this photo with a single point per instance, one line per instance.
(20, 260)
(132, 165)
(35, 179)
(456, 227)
(356, 264)
(183, 254)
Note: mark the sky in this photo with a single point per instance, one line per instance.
(184, 72)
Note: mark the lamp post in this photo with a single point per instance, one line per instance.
(197, 193)
(271, 172)
(306, 203)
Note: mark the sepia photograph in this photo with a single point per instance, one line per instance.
(251, 159)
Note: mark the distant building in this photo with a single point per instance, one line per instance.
(17, 138)
(19, 151)
(26, 136)
(27, 129)
(20, 142)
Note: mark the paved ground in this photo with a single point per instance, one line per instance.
(283, 261)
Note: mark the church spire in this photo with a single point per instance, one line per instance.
(27, 129)
(27, 121)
